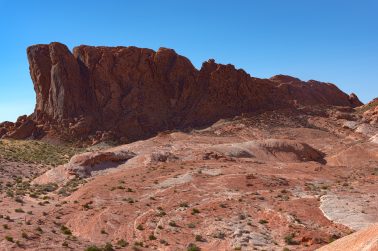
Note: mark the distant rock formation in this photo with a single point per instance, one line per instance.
(130, 93)
(370, 112)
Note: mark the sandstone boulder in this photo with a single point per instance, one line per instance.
(271, 150)
(365, 239)
(84, 165)
(24, 131)
(367, 129)
(355, 155)
(374, 139)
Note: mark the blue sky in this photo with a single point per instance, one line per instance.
(327, 40)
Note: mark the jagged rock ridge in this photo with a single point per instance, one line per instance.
(131, 93)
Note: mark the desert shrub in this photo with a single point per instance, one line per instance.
(195, 211)
(289, 239)
(19, 210)
(122, 243)
(93, 248)
(151, 237)
(108, 247)
(65, 230)
(263, 221)
(193, 247)
(24, 235)
(9, 238)
(199, 237)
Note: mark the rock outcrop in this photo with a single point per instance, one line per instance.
(370, 114)
(129, 93)
(271, 150)
(23, 128)
(365, 239)
(83, 165)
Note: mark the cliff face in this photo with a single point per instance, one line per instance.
(134, 93)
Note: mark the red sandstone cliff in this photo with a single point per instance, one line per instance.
(131, 93)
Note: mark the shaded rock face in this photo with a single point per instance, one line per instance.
(25, 127)
(61, 92)
(134, 93)
(354, 100)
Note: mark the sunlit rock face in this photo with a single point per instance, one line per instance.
(133, 93)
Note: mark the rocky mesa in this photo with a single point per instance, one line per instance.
(209, 159)
(130, 93)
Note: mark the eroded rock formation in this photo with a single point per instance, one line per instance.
(129, 93)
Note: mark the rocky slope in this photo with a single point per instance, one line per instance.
(288, 179)
(130, 93)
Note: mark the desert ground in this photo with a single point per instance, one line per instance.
(278, 180)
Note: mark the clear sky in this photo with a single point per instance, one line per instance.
(328, 40)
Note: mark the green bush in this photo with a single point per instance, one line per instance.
(93, 248)
(122, 243)
(65, 230)
(193, 247)
(9, 238)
